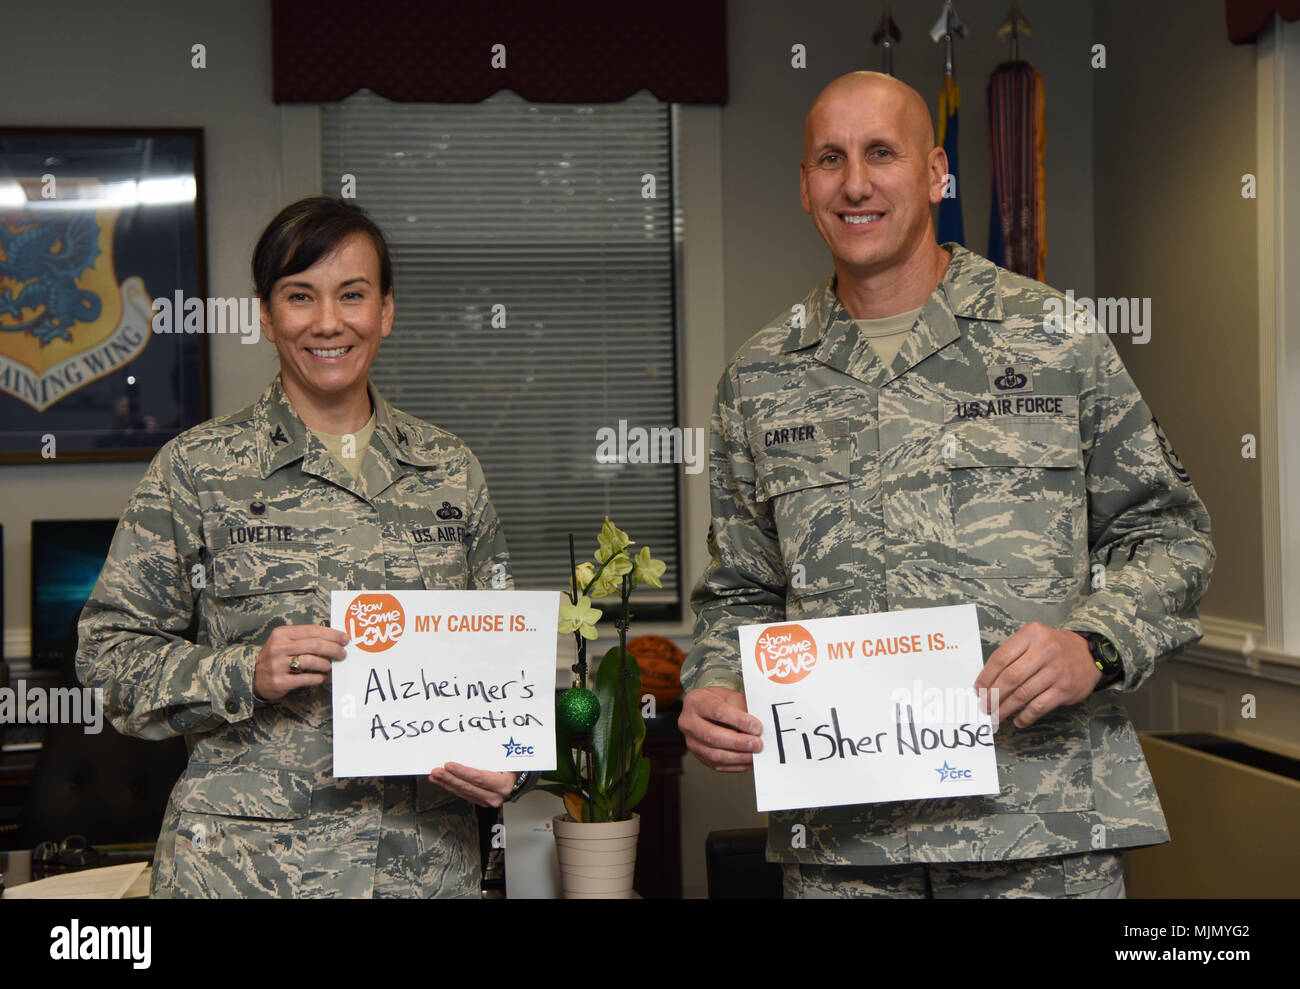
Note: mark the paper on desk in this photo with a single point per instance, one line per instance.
(108, 883)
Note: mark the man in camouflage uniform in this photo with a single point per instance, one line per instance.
(209, 613)
(985, 459)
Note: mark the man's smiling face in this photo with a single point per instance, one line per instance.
(869, 173)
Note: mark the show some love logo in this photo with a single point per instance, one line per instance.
(785, 653)
(374, 621)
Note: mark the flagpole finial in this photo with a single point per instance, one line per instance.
(947, 28)
(886, 37)
(1015, 26)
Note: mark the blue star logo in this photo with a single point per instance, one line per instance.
(515, 748)
(946, 771)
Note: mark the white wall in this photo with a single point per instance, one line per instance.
(113, 65)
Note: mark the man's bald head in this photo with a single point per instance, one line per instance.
(891, 98)
(869, 177)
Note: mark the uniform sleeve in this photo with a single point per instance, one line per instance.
(135, 635)
(1148, 531)
(489, 560)
(745, 582)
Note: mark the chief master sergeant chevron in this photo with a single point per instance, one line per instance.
(921, 438)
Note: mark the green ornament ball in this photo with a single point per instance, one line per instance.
(578, 710)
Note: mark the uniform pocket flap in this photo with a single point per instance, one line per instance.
(805, 455)
(1006, 442)
(244, 791)
(442, 565)
(270, 568)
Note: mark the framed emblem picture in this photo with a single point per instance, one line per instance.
(95, 225)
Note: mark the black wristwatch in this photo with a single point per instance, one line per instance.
(1106, 658)
(524, 782)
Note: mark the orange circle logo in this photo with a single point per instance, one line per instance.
(374, 621)
(785, 653)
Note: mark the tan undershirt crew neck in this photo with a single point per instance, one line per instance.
(886, 335)
(362, 440)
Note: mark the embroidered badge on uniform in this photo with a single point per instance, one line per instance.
(1171, 458)
(1010, 378)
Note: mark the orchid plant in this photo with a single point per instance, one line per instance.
(600, 772)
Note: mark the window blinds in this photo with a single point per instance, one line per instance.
(534, 300)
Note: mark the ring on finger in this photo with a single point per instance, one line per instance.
(294, 665)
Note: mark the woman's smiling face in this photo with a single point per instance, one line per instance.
(326, 323)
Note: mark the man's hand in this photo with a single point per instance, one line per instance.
(314, 647)
(476, 785)
(719, 730)
(1036, 670)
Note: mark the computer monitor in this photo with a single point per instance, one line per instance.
(3, 601)
(67, 555)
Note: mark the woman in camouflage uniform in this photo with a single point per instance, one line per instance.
(210, 616)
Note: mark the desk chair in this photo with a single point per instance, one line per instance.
(736, 868)
(108, 787)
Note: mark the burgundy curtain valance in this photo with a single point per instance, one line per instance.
(1247, 18)
(572, 52)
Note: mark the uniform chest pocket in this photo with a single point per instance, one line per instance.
(806, 481)
(1017, 494)
(263, 586)
(443, 566)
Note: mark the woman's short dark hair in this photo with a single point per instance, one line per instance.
(304, 232)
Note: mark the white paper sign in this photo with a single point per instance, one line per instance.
(444, 676)
(868, 708)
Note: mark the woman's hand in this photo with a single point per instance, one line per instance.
(475, 785)
(313, 646)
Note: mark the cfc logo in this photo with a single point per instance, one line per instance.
(785, 653)
(374, 621)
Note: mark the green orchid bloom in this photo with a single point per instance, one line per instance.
(648, 571)
(606, 584)
(580, 617)
(611, 540)
(583, 575)
(619, 565)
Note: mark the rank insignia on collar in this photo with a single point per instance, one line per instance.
(449, 511)
(1005, 378)
(278, 436)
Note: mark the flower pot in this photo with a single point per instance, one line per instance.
(596, 860)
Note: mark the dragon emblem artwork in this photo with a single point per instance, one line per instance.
(64, 318)
(96, 226)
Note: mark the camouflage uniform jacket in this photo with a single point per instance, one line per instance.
(241, 524)
(840, 486)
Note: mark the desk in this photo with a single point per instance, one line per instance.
(16, 865)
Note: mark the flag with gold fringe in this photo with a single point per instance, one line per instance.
(1017, 142)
